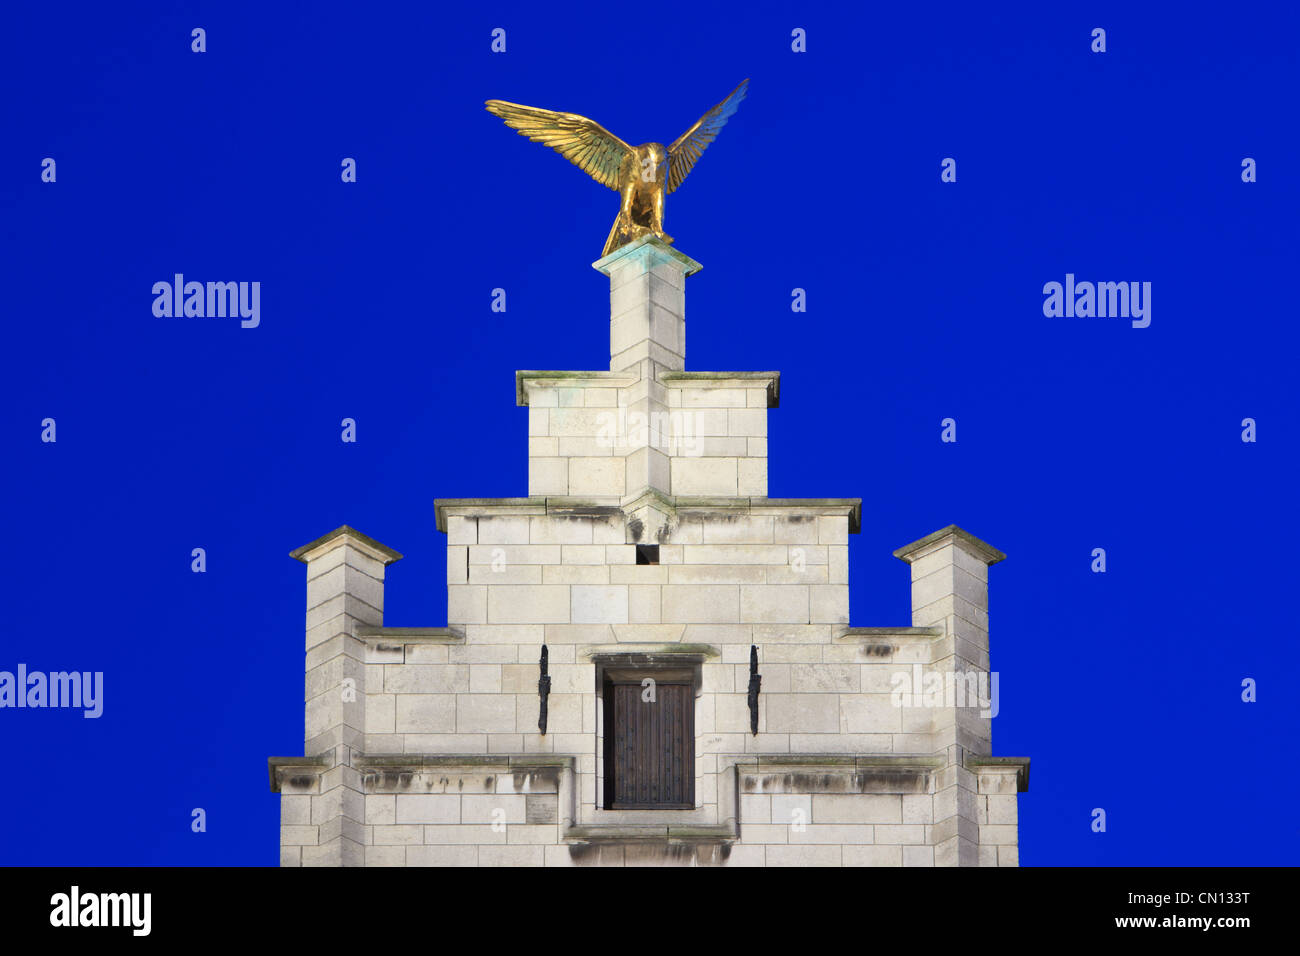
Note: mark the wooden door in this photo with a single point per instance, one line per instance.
(649, 746)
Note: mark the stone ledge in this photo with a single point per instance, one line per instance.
(772, 381)
(280, 767)
(570, 379)
(633, 653)
(837, 773)
(975, 762)
(502, 762)
(524, 378)
(656, 833)
(919, 635)
(378, 636)
(658, 249)
(567, 506)
(749, 763)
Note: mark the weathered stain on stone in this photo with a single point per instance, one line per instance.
(541, 808)
(543, 780)
(637, 528)
(386, 781)
(650, 854)
(883, 780)
(877, 650)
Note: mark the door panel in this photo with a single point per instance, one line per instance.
(649, 752)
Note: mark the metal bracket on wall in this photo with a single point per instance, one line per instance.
(543, 691)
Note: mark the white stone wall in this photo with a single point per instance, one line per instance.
(774, 580)
(600, 439)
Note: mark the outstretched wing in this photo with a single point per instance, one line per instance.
(583, 142)
(688, 147)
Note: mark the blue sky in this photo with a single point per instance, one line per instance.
(924, 302)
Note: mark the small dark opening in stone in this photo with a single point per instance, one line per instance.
(647, 554)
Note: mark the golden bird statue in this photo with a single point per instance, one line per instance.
(641, 175)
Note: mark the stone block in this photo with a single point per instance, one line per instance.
(528, 604)
(826, 679)
(704, 476)
(771, 604)
(597, 476)
(839, 834)
(701, 604)
(427, 808)
(875, 808)
(606, 604)
(803, 855)
(442, 855)
(485, 713)
(425, 713)
(873, 856)
(802, 713)
(644, 604)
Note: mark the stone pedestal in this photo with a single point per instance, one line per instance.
(647, 305)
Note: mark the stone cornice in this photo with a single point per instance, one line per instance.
(648, 651)
(476, 762)
(652, 833)
(561, 378)
(570, 379)
(922, 635)
(1017, 765)
(658, 248)
(362, 542)
(850, 508)
(770, 380)
(964, 539)
(838, 763)
(379, 636)
(281, 767)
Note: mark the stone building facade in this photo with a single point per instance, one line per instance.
(659, 578)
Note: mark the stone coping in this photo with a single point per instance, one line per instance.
(850, 508)
(843, 763)
(500, 762)
(921, 635)
(630, 650)
(652, 833)
(374, 634)
(280, 767)
(573, 379)
(920, 548)
(576, 378)
(365, 543)
(661, 248)
(977, 762)
(683, 379)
